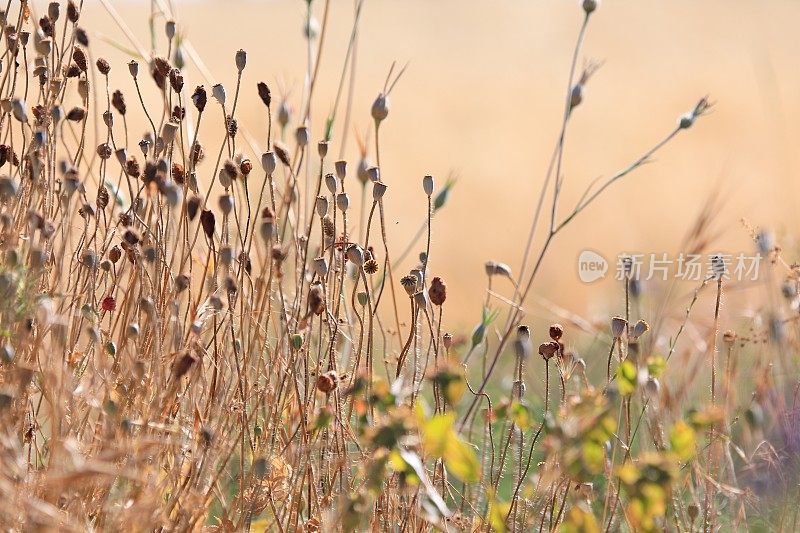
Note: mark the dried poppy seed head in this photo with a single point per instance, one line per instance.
(53, 11)
(168, 132)
(322, 149)
(363, 170)
(421, 298)
(556, 332)
(640, 328)
(548, 349)
(409, 283)
(76, 114)
(267, 230)
(316, 298)
(284, 113)
(590, 5)
(342, 201)
(72, 12)
(321, 266)
(447, 340)
(176, 80)
(427, 185)
(378, 190)
(225, 204)
(321, 206)
(199, 98)
(331, 183)
(103, 66)
(79, 56)
(341, 169)
(44, 47)
(169, 29)
(245, 167)
(218, 92)
(241, 60)
(374, 174)
(438, 291)
(269, 162)
(371, 266)
(328, 381)
(380, 108)
(133, 68)
(618, 326)
(264, 93)
(301, 135)
(118, 101)
(104, 151)
(493, 268)
(355, 254)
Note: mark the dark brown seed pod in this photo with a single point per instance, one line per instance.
(192, 207)
(46, 26)
(131, 236)
(197, 153)
(208, 221)
(282, 154)
(328, 226)
(245, 167)
(125, 220)
(79, 57)
(118, 101)
(72, 71)
(328, 381)
(230, 169)
(244, 260)
(72, 12)
(76, 114)
(81, 36)
(264, 93)
(176, 80)
(102, 198)
(132, 168)
(183, 363)
(371, 266)
(114, 254)
(556, 332)
(104, 150)
(200, 98)
(233, 126)
(548, 349)
(437, 291)
(178, 173)
(103, 66)
(178, 113)
(316, 299)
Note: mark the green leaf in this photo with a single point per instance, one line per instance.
(521, 415)
(682, 440)
(441, 440)
(626, 378)
(656, 365)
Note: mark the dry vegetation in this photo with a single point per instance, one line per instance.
(208, 336)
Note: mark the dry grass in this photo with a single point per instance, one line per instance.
(205, 336)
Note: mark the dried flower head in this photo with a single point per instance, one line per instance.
(437, 291)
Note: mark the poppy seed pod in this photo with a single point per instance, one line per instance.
(284, 114)
(322, 149)
(316, 298)
(168, 132)
(267, 230)
(133, 68)
(322, 206)
(241, 59)
(548, 349)
(640, 328)
(556, 332)
(427, 185)
(224, 178)
(522, 344)
(618, 326)
(380, 108)
(378, 190)
(328, 382)
(218, 92)
(20, 110)
(199, 98)
(437, 291)
(589, 6)
(374, 174)
(355, 254)
(169, 29)
(301, 135)
(181, 282)
(225, 203)
(341, 169)
(331, 183)
(342, 201)
(421, 298)
(362, 170)
(409, 283)
(264, 93)
(447, 340)
(493, 268)
(103, 67)
(269, 162)
(321, 266)
(44, 47)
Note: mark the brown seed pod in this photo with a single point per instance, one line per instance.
(72, 12)
(328, 381)
(131, 236)
(200, 98)
(103, 66)
(72, 71)
(556, 331)
(437, 291)
(104, 151)
(316, 299)
(76, 114)
(548, 349)
(79, 57)
(183, 363)
(114, 254)
(264, 93)
(197, 153)
(232, 125)
(371, 266)
(245, 167)
(192, 207)
(118, 101)
(230, 169)
(102, 198)
(132, 167)
(208, 221)
(328, 226)
(178, 173)
(176, 80)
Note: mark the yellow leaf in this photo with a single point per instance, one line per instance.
(579, 520)
(626, 378)
(682, 440)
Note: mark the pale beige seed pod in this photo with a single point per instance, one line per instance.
(341, 169)
(355, 254)
(302, 136)
(342, 201)
(83, 89)
(640, 328)
(20, 110)
(322, 206)
(332, 183)
(224, 178)
(618, 326)
(321, 266)
(241, 60)
(494, 268)
(427, 185)
(168, 132)
(378, 190)
(218, 92)
(44, 47)
(380, 108)
(269, 162)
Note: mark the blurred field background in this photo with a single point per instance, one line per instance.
(482, 98)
